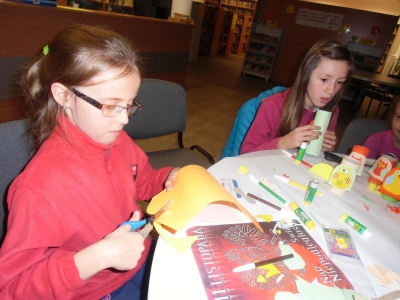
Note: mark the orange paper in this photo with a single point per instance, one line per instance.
(194, 188)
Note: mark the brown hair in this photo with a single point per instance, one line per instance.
(75, 55)
(294, 103)
(393, 105)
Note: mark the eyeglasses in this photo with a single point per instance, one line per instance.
(110, 110)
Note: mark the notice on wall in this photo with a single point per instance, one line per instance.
(319, 19)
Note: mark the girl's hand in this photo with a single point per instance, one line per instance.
(121, 250)
(329, 141)
(169, 182)
(122, 247)
(301, 134)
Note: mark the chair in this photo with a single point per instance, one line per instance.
(16, 149)
(357, 132)
(382, 94)
(164, 112)
(243, 121)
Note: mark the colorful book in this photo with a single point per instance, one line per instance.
(340, 243)
(221, 248)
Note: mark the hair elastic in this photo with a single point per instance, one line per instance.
(46, 50)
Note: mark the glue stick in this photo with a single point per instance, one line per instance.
(300, 152)
(357, 226)
(311, 190)
(302, 215)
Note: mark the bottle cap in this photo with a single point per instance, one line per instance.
(343, 217)
(310, 224)
(367, 233)
(314, 183)
(361, 150)
(303, 145)
(293, 205)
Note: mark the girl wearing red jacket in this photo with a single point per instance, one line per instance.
(63, 237)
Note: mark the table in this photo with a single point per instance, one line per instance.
(370, 77)
(175, 276)
(375, 78)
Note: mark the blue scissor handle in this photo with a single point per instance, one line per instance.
(134, 224)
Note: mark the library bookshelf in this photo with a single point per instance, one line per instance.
(261, 51)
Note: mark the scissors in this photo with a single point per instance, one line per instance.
(147, 223)
(137, 224)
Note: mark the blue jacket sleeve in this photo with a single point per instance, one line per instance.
(243, 121)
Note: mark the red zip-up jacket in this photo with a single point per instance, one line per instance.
(73, 192)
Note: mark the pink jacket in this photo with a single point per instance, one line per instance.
(72, 193)
(263, 133)
(381, 143)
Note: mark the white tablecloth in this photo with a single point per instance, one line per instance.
(175, 276)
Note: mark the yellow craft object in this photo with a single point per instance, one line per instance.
(323, 170)
(243, 169)
(272, 270)
(193, 189)
(342, 177)
(267, 218)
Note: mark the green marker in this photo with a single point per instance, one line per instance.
(268, 189)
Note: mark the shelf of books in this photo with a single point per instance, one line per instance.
(241, 13)
(115, 6)
(241, 33)
(210, 30)
(226, 35)
(261, 51)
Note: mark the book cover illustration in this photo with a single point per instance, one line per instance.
(221, 248)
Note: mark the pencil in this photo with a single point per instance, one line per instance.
(263, 201)
(295, 183)
(252, 266)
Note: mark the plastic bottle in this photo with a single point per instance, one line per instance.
(357, 226)
(300, 152)
(302, 215)
(311, 190)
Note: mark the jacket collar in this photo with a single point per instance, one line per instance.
(69, 134)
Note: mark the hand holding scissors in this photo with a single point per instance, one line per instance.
(147, 223)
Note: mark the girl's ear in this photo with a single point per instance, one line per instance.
(61, 94)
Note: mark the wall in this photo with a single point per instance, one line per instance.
(147, 9)
(388, 7)
(25, 28)
(297, 39)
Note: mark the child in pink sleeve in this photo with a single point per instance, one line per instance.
(283, 120)
(387, 141)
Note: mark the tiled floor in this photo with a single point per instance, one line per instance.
(215, 91)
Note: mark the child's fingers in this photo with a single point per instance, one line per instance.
(135, 217)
